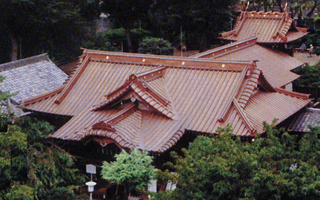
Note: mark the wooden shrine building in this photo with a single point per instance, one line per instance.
(151, 102)
(268, 27)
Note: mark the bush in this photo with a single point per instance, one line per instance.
(310, 75)
(159, 46)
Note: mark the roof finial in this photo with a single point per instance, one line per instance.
(285, 8)
(247, 5)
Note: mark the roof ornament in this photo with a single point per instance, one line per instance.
(284, 8)
(247, 5)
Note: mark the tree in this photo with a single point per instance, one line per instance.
(213, 168)
(20, 192)
(125, 13)
(310, 75)
(202, 21)
(275, 166)
(133, 170)
(26, 160)
(151, 45)
(112, 40)
(30, 27)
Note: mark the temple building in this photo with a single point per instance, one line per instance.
(263, 36)
(269, 28)
(151, 102)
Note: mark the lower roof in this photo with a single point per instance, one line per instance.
(302, 120)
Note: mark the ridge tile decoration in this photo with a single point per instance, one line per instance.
(268, 27)
(149, 101)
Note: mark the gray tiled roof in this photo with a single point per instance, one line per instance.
(309, 116)
(31, 77)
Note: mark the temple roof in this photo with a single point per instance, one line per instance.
(276, 65)
(268, 27)
(148, 101)
(27, 78)
(31, 77)
(307, 117)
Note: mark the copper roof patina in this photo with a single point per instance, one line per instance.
(148, 101)
(276, 65)
(268, 27)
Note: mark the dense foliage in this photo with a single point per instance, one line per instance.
(310, 75)
(125, 13)
(133, 170)
(112, 40)
(32, 169)
(159, 46)
(277, 166)
(200, 21)
(31, 27)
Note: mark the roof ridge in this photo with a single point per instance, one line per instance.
(151, 97)
(244, 116)
(293, 94)
(225, 49)
(42, 96)
(24, 61)
(249, 86)
(168, 61)
(74, 79)
(151, 74)
(108, 123)
(226, 111)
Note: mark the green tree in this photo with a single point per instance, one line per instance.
(151, 45)
(30, 27)
(213, 168)
(202, 21)
(133, 170)
(126, 13)
(20, 192)
(26, 160)
(310, 75)
(276, 165)
(112, 40)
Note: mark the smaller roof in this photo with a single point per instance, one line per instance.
(268, 27)
(301, 121)
(31, 77)
(276, 65)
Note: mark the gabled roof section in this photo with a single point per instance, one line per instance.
(31, 77)
(281, 105)
(268, 27)
(275, 65)
(139, 87)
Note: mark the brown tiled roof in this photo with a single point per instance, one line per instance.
(148, 101)
(268, 27)
(275, 65)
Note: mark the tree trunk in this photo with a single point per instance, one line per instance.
(299, 21)
(128, 37)
(312, 9)
(203, 42)
(126, 192)
(14, 47)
